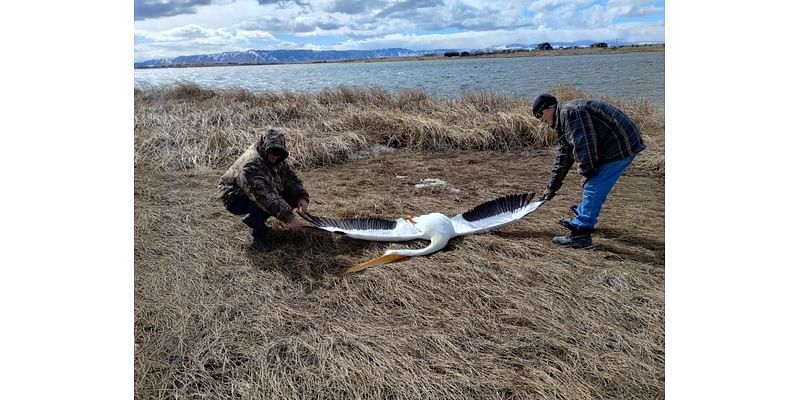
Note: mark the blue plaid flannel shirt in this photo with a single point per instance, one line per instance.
(591, 133)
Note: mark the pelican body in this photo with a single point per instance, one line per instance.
(435, 227)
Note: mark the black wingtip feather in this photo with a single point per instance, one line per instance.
(499, 205)
(351, 223)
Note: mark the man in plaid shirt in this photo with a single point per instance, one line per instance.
(603, 140)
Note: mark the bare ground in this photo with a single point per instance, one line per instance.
(500, 315)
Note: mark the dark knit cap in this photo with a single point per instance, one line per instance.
(543, 101)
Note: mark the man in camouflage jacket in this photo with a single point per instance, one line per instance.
(603, 141)
(261, 184)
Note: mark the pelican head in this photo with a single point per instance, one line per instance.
(436, 227)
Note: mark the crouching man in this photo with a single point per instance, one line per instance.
(260, 184)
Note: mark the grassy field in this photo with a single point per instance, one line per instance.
(501, 315)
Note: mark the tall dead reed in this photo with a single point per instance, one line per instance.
(185, 126)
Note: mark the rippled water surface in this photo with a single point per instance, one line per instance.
(628, 76)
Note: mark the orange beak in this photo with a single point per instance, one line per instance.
(384, 259)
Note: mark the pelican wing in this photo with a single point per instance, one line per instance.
(377, 229)
(495, 213)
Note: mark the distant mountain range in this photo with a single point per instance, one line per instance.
(290, 56)
(278, 57)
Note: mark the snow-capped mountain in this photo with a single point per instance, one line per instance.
(278, 56)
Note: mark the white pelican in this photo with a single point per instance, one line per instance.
(436, 227)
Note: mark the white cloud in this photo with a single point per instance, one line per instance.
(297, 24)
(193, 39)
(632, 8)
(485, 39)
(255, 35)
(648, 10)
(191, 33)
(546, 6)
(352, 7)
(395, 23)
(216, 16)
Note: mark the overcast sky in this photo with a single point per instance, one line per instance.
(169, 28)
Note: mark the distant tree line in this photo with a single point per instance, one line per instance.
(540, 46)
(481, 52)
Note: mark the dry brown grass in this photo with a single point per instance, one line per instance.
(185, 126)
(502, 315)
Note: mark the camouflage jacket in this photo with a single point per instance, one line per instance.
(268, 186)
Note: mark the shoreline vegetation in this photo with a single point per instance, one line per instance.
(567, 51)
(184, 126)
(495, 316)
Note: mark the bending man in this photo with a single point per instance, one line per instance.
(603, 140)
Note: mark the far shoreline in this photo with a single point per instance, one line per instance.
(647, 48)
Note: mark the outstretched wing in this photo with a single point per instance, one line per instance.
(495, 213)
(377, 229)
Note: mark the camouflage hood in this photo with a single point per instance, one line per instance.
(272, 140)
(276, 189)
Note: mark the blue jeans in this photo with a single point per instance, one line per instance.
(252, 215)
(596, 190)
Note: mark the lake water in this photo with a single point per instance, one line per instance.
(627, 76)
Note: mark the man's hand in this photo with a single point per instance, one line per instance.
(302, 205)
(295, 224)
(548, 195)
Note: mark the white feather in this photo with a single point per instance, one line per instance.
(463, 227)
(436, 227)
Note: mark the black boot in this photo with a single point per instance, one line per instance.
(261, 240)
(577, 237)
(574, 240)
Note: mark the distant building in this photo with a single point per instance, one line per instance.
(602, 45)
(544, 46)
